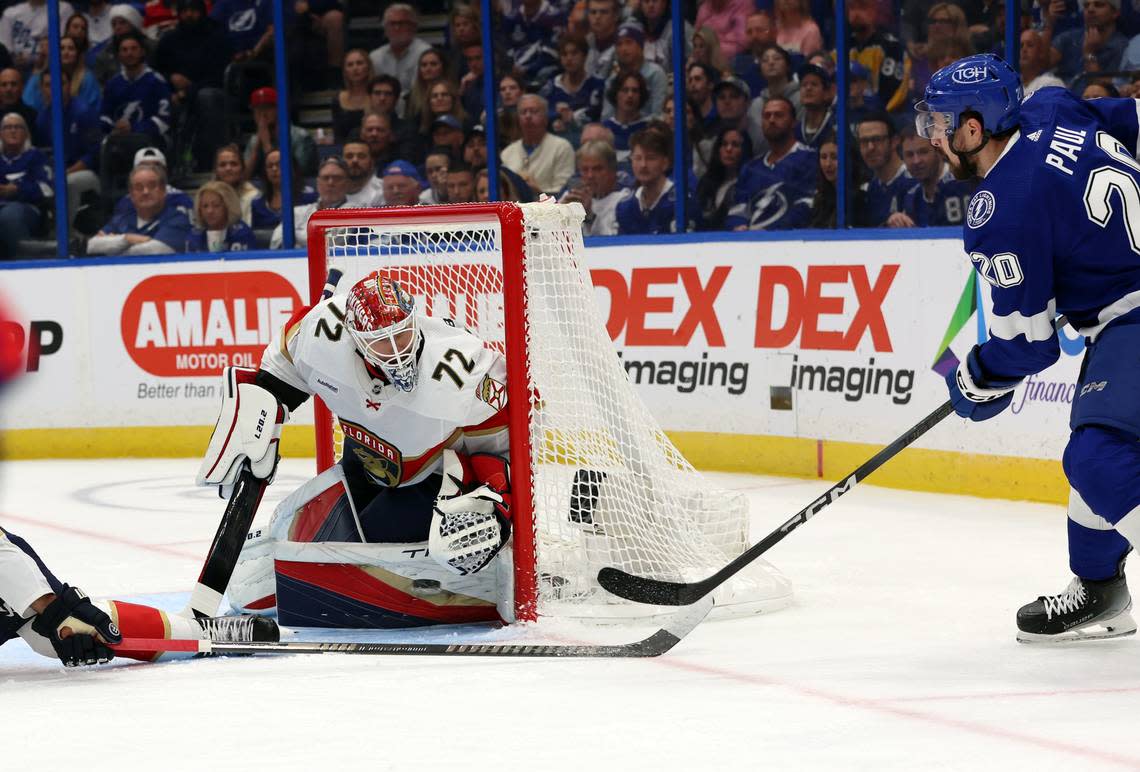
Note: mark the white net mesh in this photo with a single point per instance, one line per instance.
(609, 488)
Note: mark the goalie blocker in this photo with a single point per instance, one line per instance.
(339, 553)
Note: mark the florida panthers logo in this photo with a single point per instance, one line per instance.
(381, 460)
(982, 207)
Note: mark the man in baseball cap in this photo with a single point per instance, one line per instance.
(402, 184)
(447, 131)
(263, 103)
(629, 50)
(179, 199)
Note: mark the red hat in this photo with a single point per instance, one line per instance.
(266, 95)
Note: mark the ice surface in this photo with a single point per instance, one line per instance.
(899, 654)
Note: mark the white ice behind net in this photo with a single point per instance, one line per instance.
(610, 489)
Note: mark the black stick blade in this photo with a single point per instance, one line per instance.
(641, 589)
(655, 645)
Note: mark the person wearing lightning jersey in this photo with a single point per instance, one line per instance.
(1054, 228)
(405, 529)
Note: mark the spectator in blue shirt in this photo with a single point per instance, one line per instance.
(82, 136)
(574, 96)
(137, 100)
(218, 225)
(936, 197)
(879, 147)
(248, 25)
(154, 226)
(530, 29)
(650, 208)
(266, 209)
(1097, 46)
(26, 183)
(628, 93)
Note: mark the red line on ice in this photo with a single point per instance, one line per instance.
(880, 706)
(98, 536)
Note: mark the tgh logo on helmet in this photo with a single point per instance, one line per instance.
(970, 74)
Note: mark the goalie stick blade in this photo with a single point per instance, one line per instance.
(642, 589)
(655, 645)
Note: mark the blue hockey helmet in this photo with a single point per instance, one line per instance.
(981, 83)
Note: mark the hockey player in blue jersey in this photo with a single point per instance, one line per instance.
(1054, 228)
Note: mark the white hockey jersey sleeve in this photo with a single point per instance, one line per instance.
(21, 581)
(279, 357)
(486, 426)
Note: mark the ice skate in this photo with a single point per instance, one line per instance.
(240, 629)
(1086, 610)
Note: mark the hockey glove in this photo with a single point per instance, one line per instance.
(472, 517)
(248, 427)
(973, 395)
(79, 632)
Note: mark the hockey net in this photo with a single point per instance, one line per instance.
(596, 480)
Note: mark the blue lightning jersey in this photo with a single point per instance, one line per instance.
(1054, 228)
(775, 196)
(947, 208)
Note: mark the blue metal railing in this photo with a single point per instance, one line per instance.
(681, 151)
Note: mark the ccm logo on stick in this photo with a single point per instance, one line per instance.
(805, 303)
(42, 339)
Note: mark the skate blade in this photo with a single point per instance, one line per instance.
(1117, 627)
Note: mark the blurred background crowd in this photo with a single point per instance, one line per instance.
(169, 111)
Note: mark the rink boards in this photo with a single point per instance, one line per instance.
(765, 356)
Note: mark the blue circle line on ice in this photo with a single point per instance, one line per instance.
(982, 207)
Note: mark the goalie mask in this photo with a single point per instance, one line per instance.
(380, 317)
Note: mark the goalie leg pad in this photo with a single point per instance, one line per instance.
(248, 428)
(377, 586)
(321, 509)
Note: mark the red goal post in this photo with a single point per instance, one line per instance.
(595, 480)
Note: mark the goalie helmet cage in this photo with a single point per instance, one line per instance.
(596, 481)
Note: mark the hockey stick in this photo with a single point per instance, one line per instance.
(654, 646)
(645, 590)
(223, 555)
(222, 558)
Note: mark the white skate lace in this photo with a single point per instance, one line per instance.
(228, 629)
(1066, 602)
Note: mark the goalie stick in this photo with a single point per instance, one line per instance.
(657, 591)
(222, 558)
(655, 645)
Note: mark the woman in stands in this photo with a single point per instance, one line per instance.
(349, 104)
(218, 226)
(229, 167)
(510, 92)
(266, 208)
(715, 192)
(84, 88)
(628, 93)
(706, 50)
(431, 69)
(947, 34)
(823, 205)
(78, 29)
(796, 30)
(443, 99)
(26, 184)
(655, 17)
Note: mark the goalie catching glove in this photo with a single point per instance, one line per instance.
(471, 520)
(249, 427)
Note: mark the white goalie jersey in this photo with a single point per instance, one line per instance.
(459, 402)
